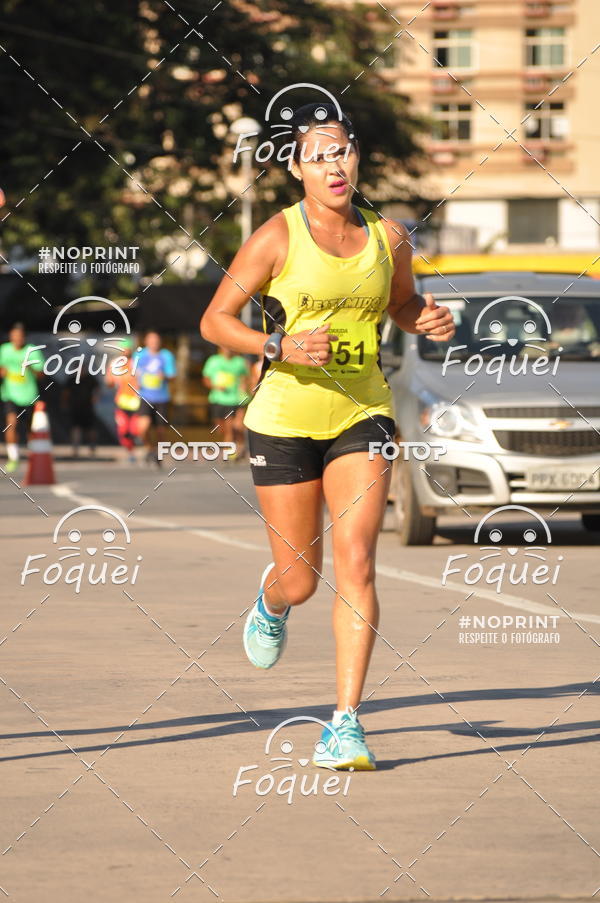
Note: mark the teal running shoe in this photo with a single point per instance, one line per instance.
(265, 636)
(343, 747)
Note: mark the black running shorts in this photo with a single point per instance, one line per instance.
(224, 411)
(157, 411)
(275, 459)
(23, 411)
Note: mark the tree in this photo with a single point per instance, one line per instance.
(157, 99)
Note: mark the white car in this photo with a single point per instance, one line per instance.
(514, 398)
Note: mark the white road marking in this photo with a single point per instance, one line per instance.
(64, 491)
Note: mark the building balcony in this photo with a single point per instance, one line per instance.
(538, 83)
(542, 82)
(442, 10)
(478, 14)
(487, 85)
(460, 156)
(449, 153)
(537, 10)
(547, 151)
(546, 9)
(442, 83)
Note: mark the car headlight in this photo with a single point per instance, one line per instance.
(449, 421)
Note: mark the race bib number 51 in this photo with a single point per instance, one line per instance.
(352, 353)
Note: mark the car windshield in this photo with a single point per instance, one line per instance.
(518, 326)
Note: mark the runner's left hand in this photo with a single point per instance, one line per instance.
(435, 322)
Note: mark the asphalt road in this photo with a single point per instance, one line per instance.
(130, 716)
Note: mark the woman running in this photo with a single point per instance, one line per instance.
(326, 271)
(127, 400)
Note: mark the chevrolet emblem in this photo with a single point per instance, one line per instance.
(561, 424)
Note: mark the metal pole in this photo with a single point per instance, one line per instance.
(250, 128)
(246, 223)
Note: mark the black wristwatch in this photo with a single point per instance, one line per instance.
(272, 347)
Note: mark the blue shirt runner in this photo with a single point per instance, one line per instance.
(153, 370)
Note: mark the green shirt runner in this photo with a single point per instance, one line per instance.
(20, 386)
(226, 374)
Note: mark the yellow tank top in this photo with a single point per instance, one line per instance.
(348, 294)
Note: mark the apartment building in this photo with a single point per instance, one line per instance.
(512, 90)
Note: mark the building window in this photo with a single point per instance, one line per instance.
(452, 121)
(548, 122)
(452, 49)
(532, 220)
(545, 47)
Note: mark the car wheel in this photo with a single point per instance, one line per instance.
(414, 528)
(591, 522)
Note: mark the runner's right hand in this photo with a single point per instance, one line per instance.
(314, 350)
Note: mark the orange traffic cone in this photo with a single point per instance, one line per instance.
(40, 470)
